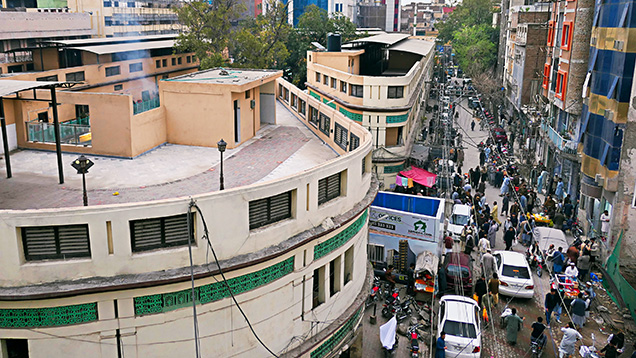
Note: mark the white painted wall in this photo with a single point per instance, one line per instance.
(13, 139)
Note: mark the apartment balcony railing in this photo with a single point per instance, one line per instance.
(565, 145)
(143, 106)
(76, 131)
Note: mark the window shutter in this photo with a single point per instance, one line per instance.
(328, 188)
(74, 240)
(258, 213)
(146, 234)
(280, 207)
(175, 230)
(39, 242)
(270, 210)
(354, 142)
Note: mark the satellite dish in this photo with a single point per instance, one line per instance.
(319, 46)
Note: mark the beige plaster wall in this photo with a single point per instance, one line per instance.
(148, 130)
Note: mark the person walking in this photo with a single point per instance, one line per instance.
(568, 342)
(557, 261)
(541, 181)
(492, 232)
(504, 204)
(513, 326)
(488, 263)
(558, 192)
(583, 264)
(505, 186)
(410, 277)
(448, 244)
(482, 157)
(483, 246)
(609, 351)
(578, 311)
(494, 212)
(493, 287)
(472, 125)
(481, 289)
(440, 346)
(551, 302)
(509, 237)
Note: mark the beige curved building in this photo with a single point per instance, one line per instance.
(113, 279)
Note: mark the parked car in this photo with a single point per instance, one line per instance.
(461, 216)
(515, 278)
(459, 318)
(459, 273)
(500, 135)
(546, 236)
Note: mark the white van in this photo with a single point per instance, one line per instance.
(460, 217)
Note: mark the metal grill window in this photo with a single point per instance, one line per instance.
(55, 242)
(270, 210)
(354, 142)
(340, 136)
(328, 188)
(325, 124)
(150, 234)
(313, 116)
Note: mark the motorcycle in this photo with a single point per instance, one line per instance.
(537, 345)
(397, 309)
(535, 261)
(375, 293)
(573, 226)
(415, 343)
(388, 337)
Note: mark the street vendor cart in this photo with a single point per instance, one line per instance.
(425, 270)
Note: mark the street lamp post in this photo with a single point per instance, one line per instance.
(221, 146)
(82, 164)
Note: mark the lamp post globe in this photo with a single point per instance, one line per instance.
(82, 164)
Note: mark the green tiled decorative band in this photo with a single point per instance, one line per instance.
(48, 316)
(341, 238)
(389, 169)
(329, 103)
(314, 94)
(397, 119)
(353, 116)
(334, 340)
(169, 301)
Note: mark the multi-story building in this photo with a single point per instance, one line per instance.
(564, 75)
(606, 131)
(102, 71)
(384, 14)
(381, 83)
(125, 275)
(419, 19)
(525, 54)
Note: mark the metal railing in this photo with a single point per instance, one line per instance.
(562, 144)
(76, 132)
(143, 106)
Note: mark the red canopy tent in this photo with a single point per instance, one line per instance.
(420, 176)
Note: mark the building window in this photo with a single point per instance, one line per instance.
(82, 111)
(343, 86)
(551, 28)
(158, 63)
(566, 36)
(561, 84)
(118, 87)
(164, 62)
(75, 76)
(395, 92)
(286, 94)
(348, 265)
(136, 67)
(354, 142)
(356, 90)
(43, 117)
(325, 80)
(325, 124)
(546, 75)
(179, 60)
(47, 78)
(170, 231)
(108, 3)
(334, 83)
(188, 59)
(15, 348)
(340, 136)
(314, 116)
(329, 188)
(112, 71)
(130, 4)
(55, 242)
(375, 253)
(280, 91)
(301, 107)
(318, 291)
(318, 77)
(270, 210)
(247, 94)
(174, 61)
(334, 276)
(294, 101)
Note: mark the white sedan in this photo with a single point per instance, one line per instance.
(459, 319)
(515, 278)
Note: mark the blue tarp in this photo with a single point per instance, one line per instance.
(409, 203)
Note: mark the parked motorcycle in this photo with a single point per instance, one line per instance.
(535, 262)
(415, 343)
(375, 293)
(388, 337)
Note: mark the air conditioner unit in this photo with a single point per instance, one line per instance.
(599, 179)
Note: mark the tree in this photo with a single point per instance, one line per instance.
(261, 42)
(207, 29)
(475, 49)
(313, 26)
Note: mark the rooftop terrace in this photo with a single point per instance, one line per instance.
(223, 76)
(169, 171)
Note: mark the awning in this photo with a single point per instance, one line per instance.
(385, 39)
(420, 176)
(418, 47)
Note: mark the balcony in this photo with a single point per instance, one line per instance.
(76, 132)
(566, 146)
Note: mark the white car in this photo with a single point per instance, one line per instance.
(515, 276)
(459, 218)
(459, 319)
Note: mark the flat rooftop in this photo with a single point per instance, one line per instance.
(228, 76)
(169, 171)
